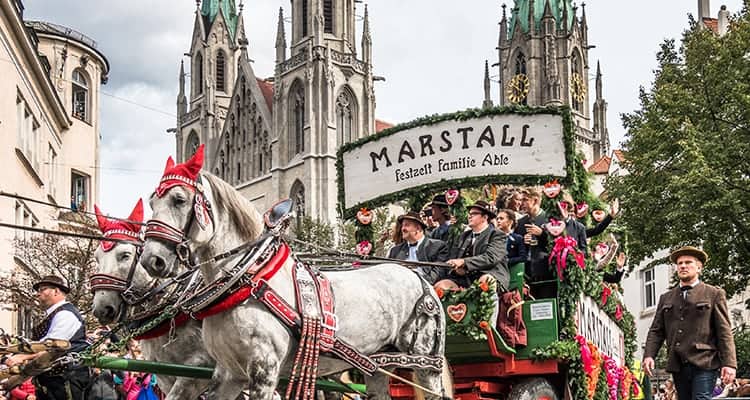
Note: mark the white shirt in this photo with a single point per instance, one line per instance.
(63, 325)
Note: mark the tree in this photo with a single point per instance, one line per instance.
(688, 154)
(742, 344)
(38, 255)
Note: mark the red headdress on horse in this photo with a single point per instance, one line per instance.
(129, 230)
(185, 174)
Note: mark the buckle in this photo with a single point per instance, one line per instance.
(255, 287)
(327, 315)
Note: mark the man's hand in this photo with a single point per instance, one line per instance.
(18, 359)
(648, 366)
(728, 374)
(459, 266)
(533, 229)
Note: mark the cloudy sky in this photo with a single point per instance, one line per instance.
(431, 53)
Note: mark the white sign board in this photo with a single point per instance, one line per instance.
(508, 144)
(596, 326)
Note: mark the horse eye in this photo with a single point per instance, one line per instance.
(124, 256)
(178, 200)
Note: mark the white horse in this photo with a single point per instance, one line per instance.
(378, 308)
(118, 269)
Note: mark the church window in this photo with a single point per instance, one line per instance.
(576, 79)
(305, 16)
(80, 95)
(192, 144)
(345, 117)
(297, 109)
(520, 64)
(198, 75)
(223, 165)
(297, 194)
(328, 15)
(239, 173)
(221, 72)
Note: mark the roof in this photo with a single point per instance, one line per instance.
(69, 33)
(381, 125)
(712, 24)
(619, 154)
(211, 8)
(522, 9)
(601, 166)
(266, 88)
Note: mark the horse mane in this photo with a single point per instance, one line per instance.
(239, 209)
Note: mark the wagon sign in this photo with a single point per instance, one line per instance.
(493, 145)
(596, 326)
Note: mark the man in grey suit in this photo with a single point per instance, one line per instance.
(480, 252)
(418, 247)
(693, 319)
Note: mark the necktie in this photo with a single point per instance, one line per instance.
(474, 237)
(684, 290)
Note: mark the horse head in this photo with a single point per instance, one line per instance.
(117, 269)
(194, 215)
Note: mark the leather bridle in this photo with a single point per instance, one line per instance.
(123, 286)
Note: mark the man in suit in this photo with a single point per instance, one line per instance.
(693, 319)
(418, 247)
(480, 252)
(530, 228)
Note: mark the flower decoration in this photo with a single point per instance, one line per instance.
(364, 248)
(606, 292)
(484, 286)
(564, 246)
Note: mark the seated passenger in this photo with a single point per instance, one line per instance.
(418, 247)
(506, 221)
(479, 253)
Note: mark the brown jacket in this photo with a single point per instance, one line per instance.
(696, 329)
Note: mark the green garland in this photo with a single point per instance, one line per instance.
(479, 308)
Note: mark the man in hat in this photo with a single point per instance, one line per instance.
(418, 247)
(480, 252)
(63, 321)
(693, 319)
(442, 216)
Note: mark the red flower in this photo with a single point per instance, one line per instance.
(606, 291)
(484, 325)
(484, 286)
(618, 312)
(440, 293)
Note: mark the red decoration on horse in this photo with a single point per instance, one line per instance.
(184, 174)
(129, 229)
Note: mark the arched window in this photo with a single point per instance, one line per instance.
(520, 64)
(297, 194)
(222, 165)
(221, 72)
(577, 82)
(346, 117)
(297, 117)
(198, 74)
(191, 144)
(328, 15)
(80, 95)
(305, 17)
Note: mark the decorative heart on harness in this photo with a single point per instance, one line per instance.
(451, 196)
(601, 250)
(581, 209)
(552, 189)
(456, 312)
(598, 215)
(364, 216)
(201, 211)
(364, 248)
(555, 227)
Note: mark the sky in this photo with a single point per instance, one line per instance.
(431, 53)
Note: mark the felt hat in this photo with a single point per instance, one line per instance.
(689, 251)
(439, 200)
(52, 280)
(412, 216)
(484, 207)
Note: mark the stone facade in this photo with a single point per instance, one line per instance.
(49, 112)
(276, 138)
(543, 60)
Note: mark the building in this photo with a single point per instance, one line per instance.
(277, 137)
(543, 60)
(50, 112)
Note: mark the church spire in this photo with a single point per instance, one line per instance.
(503, 29)
(181, 99)
(598, 81)
(366, 38)
(487, 103)
(280, 38)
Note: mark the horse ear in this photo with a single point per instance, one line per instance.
(170, 164)
(101, 219)
(137, 214)
(195, 163)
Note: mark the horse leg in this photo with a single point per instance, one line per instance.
(187, 389)
(378, 387)
(227, 387)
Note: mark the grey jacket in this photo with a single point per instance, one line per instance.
(429, 250)
(490, 254)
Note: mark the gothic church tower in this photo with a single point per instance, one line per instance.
(323, 98)
(544, 60)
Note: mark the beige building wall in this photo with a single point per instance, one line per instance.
(40, 140)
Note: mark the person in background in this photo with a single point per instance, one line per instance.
(506, 221)
(25, 391)
(441, 214)
(693, 319)
(535, 238)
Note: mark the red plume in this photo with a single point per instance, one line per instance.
(129, 229)
(184, 174)
(101, 219)
(137, 214)
(170, 164)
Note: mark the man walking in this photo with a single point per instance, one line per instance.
(63, 321)
(693, 320)
(418, 247)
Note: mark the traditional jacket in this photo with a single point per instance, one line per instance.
(488, 255)
(428, 250)
(696, 329)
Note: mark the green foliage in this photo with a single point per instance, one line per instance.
(479, 308)
(742, 344)
(688, 154)
(313, 231)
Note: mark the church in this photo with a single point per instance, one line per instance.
(277, 137)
